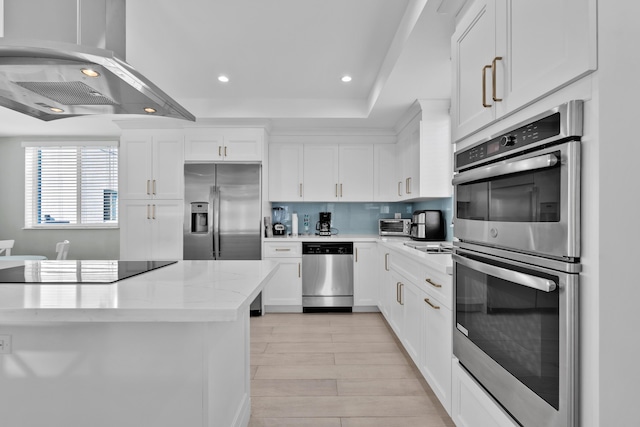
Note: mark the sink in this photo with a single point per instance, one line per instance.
(430, 248)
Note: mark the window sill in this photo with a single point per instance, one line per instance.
(72, 227)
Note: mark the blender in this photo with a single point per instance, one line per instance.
(279, 228)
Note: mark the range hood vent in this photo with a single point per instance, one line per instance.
(57, 78)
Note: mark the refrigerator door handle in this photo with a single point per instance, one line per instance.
(215, 193)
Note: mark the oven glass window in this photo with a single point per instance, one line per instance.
(532, 196)
(515, 325)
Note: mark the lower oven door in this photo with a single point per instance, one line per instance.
(516, 332)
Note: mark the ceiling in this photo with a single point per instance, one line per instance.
(284, 59)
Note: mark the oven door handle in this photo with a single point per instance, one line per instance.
(528, 280)
(533, 163)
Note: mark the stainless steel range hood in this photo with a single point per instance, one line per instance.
(53, 79)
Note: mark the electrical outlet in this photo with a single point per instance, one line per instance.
(5, 344)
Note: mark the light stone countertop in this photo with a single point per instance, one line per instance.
(439, 262)
(188, 291)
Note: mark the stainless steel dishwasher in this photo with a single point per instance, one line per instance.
(327, 276)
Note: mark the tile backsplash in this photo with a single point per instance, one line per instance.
(360, 218)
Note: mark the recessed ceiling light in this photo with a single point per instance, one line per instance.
(223, 79)
(56, 110)
(346, 79)
(89, 72)
(149, 110)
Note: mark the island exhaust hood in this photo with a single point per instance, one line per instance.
(46, 74)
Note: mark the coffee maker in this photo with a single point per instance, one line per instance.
(323, 226)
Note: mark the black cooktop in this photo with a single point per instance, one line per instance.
(77, 271)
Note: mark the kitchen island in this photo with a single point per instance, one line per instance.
(164, 348)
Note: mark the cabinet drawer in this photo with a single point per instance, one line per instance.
(282, 249)
(409, 268)
(438, 285)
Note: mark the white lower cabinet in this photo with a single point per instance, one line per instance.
(365, 274)
(151, 229)
(283, 292)
(471, 406)
(415, 301)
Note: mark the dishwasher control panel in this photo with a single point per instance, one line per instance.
(327, 248)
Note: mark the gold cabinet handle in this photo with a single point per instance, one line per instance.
(493, 78)
(340, 190)
(401, 298)
(398, 292)
(225, 151)
(386, 261)
(356, 254)
(399, 188)
(299, 273)
(283, 249)
(437, 307)
(484, 86)
(300, 189)
(154, 187)
(219, 150)
(432, 283)
(148, 191)
(409, 185)
(153, 212)
(148, 215)
(336, 190)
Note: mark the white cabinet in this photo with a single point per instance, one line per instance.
(507, 54)
(151, 229)
(224, 144)
(471, 406)
(283, 292)
(365, 274)
(384, 280)
(285, 172)
(424, 164)
(385, 165)
(151, 164)
(320, 172)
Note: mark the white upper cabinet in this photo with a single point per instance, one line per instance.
(151, 164)
(385, 182)
(224, 144)
(507, 54)
(285, 172)
(355, 178)
(321, 172)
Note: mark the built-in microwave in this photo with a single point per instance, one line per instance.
(394, 227)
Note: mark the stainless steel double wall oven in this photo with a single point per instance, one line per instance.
(517, 264)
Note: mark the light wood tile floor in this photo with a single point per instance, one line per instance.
(336, 370)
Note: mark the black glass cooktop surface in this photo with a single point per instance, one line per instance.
(77, 271)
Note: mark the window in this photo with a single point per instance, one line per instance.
(71, 185)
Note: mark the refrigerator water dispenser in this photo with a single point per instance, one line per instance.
(199, 217)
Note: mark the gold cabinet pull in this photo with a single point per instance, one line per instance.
(153, 211)
(148, 215)
(300, 189)
(154, 187)
(299, 273)
(148, 191)
(409, 185)
(437, 307)
(399, 188)
(225, 151)
(484, 87)
(336, 189)
(219, 150)
(340, 189)
(398, 292)
(401, 298)
(283, 249)
(432, 283)
(493, 78)
(386, 261)
(356, 254)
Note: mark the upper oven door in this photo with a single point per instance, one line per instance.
(529, 203)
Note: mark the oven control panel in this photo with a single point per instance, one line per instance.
(539, 130)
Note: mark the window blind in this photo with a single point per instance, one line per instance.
(71, 185)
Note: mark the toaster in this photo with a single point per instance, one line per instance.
(427, 225)
(394, 227)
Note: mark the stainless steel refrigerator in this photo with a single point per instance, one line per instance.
(222, 214)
